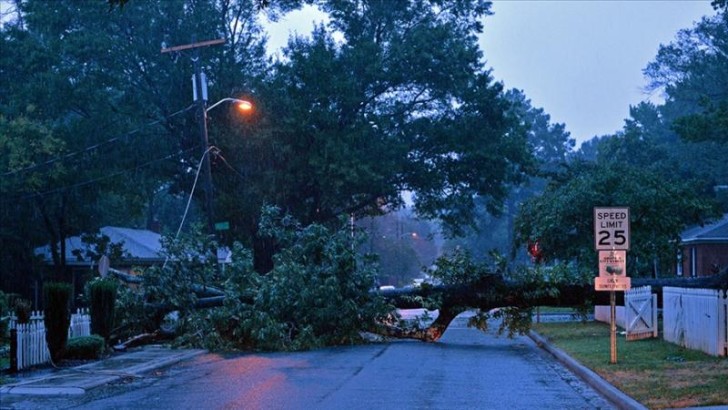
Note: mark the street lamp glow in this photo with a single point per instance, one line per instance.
(243, 105)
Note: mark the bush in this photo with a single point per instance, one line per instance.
(22, 310)
(103, 298)
(57, 298)
(85, 348)
(4, 311)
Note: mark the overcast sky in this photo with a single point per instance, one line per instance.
(581, 61)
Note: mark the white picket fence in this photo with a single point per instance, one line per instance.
(640, 313)
(638, 316)
(31, 340)
(31, 345)
(696, 319)
(80, 324)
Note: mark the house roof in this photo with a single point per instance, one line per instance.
(716, 232)
(139, 246)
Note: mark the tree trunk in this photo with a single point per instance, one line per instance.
(492, 292)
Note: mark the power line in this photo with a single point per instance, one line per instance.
(93, 147)
(95, 180)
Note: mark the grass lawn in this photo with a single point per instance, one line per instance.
(656, 373)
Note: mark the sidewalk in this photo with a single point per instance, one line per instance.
(77, 380)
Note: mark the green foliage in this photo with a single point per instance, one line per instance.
(115, 133)
(527, 285)
(317, 294)
(103, 303)
(132, 316)
(458, 268)
(551, 146)
(405, 102)
(4, 316)
(532, 283)
(85, 348)
(22, 308)
(57, 316)
(4, 304)
(562, 218)
(191, 258)
(693, 71)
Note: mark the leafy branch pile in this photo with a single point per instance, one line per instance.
(318, 293)
(321, 292)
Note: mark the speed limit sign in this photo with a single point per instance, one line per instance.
(611, 229)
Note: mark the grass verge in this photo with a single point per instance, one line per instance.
(656, 373)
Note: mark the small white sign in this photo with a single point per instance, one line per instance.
(614, 283)
(104, 265)
(612, 263)
(611, 229)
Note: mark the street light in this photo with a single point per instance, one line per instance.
(199, 96)
(242, 105)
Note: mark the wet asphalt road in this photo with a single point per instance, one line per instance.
(465, 370)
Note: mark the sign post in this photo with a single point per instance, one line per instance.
(611, 240)
(104, 265)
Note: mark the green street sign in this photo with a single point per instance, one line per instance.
(222, 226)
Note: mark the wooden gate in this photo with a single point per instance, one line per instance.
(640, 309)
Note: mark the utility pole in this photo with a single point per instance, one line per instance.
(199, 94)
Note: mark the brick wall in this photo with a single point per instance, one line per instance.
(709, 259)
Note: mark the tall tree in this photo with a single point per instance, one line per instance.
(693, 70)
(97, 81)
(562, 221)
(551, 145)
(402, 102)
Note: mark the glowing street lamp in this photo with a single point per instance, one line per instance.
(244, 106)
(199, 96)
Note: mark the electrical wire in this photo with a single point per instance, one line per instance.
(94, 180)
(189, 199)
(219, 155)
(93, 147)
(194, 185)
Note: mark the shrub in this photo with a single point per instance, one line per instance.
(85, 348)
(22, 310)
(4, 311)
(103, 299)
(57, 297)
(132, 318)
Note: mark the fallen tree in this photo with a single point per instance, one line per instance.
(320, 293)
(488, 293)
(493, 292)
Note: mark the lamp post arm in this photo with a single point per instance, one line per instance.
(236, 100)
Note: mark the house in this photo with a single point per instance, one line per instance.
(140, 248)
(704, 249)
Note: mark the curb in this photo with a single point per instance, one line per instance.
(43, 386)
(613, 394)
(43, 391)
